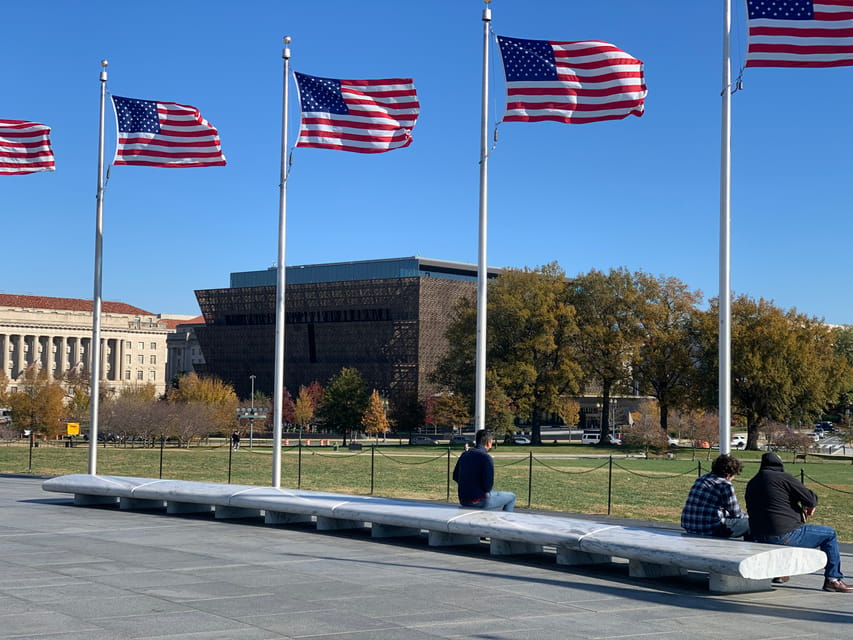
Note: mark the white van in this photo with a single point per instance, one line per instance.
(590, 437)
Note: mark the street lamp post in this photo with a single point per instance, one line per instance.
(252, 419)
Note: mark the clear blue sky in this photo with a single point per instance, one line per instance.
(641, 193)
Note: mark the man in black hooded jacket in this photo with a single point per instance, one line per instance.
(778, 505)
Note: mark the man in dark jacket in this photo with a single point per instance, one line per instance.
(778, 505)
(474, 474)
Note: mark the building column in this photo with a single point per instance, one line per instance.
(4, 352)
(62, 356)
(21, 360)
(103, 359)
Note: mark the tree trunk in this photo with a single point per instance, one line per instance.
(605, 414)
(536, 427)
(664, 418)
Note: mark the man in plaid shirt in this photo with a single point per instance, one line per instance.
(712, 508)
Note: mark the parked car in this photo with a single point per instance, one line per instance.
(595, 438)
(422, 440)
(673, 442)
(738, 442)
(521, 440)
(461, 439)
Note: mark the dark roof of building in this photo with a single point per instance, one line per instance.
(410, 267)
(67, 304)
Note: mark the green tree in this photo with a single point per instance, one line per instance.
(664, 364)
(344, 402)
(374, 420)
(499, 410)
(449, 410)
(784, 365)
(610, 330)
(530, 335)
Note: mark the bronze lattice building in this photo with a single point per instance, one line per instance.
(386, 318)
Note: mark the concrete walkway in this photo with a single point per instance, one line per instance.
(70, 573)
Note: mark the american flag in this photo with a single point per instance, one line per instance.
(24, 147)
(365, 116)
(574, 82)
(164, 134)
(800, 33)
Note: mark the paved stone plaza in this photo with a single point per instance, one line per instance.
(75, 573)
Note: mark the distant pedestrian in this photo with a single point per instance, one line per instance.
(475, 476)
(235, 440)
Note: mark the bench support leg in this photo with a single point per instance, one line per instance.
(140, 503)
(83, 500)
(389, 531)
(638, 569)
(444, 539)
(229, 513)
(510, 548)
(187, 507)
(572, 557)
(735, 584)
(279, 517)
(336, 524)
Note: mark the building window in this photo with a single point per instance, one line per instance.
(153, 359)
(152, 375)
(139, 375)
(128, 358)
(128, 345)
(141, 346)
(153, 346)
(140, 358)
(127, 375)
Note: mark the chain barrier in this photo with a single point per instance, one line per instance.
(552, 468)
(338, 455)
(826, 486)
(655, 476)
(385, 455)
(509, 464)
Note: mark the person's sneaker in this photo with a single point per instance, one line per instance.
(780, 580)
(837, 585)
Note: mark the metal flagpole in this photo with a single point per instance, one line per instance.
(725, 337)
(95, 347)
(482, 268)
(278, 391)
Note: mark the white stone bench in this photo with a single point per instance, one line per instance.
(732, 565)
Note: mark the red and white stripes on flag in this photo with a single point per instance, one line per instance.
(365, 116)
(164, 134)
(25, 147)
(800, 33)
(573, 82)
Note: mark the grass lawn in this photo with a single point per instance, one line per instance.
(548, 477)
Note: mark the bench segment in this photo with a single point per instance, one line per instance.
(733, 566)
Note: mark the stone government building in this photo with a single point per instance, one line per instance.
(386, 318)
(56, 334)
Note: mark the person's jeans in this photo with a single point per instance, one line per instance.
(497, 500)
(813, 536)
(494, 501)
(738, 526)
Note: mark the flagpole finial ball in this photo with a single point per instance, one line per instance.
(287, 39)
(105, 63)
